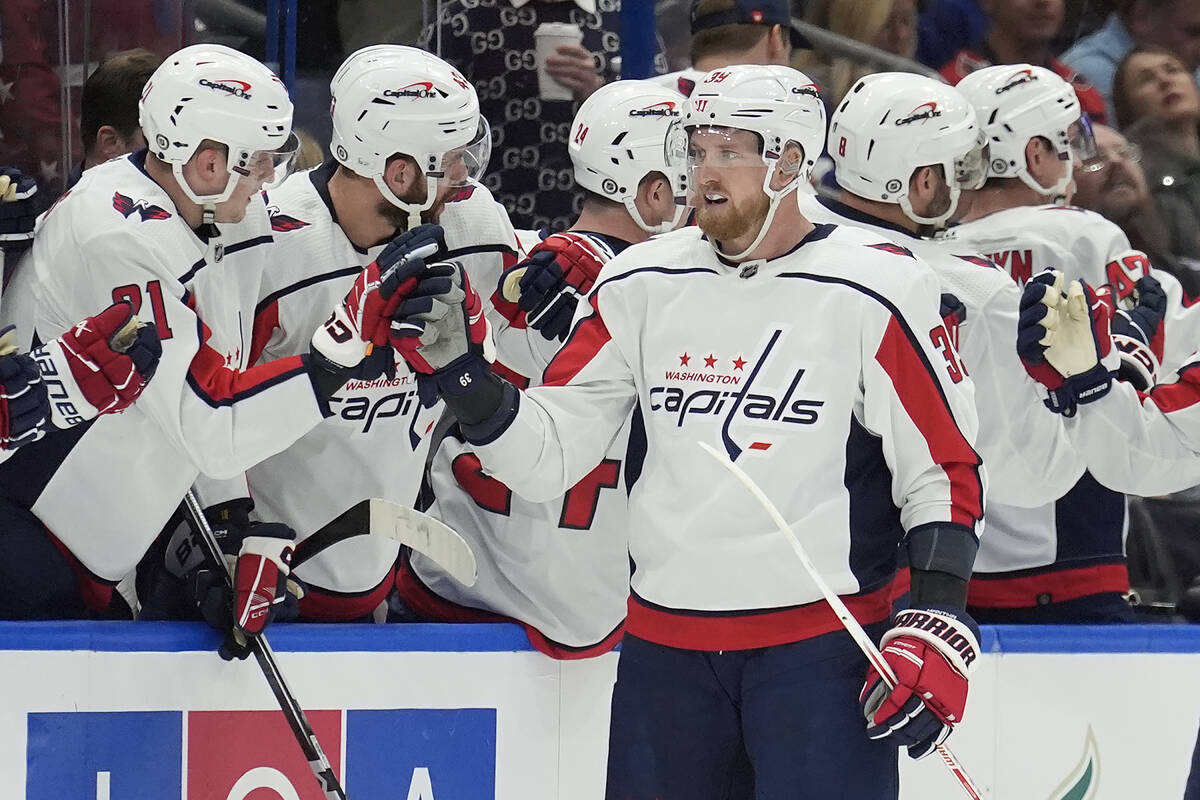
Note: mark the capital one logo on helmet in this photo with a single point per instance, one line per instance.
(921, 113)
(1016, 79)
(663, 109)
(229, 86)
(421, 89)
(809, 89)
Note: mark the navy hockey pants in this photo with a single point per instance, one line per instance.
(36, 581)
(1097, 609)
(685, 723)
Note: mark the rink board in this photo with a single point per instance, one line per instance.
(120, 711)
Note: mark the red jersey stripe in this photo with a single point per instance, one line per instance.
(923, 402)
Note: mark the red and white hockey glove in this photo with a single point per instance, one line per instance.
(441, 331)
(547, 285)
(1064, 342)
(353, 342)
(260, 555)
(1137, 334)
(24, 404)
(931, 651)
(100, 366)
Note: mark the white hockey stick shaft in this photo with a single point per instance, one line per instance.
(848, 621)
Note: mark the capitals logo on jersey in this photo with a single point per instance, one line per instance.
(147, 211)
(763, 410)
(280, 222)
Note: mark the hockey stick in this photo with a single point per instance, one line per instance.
(848, 621)
(421, 532)
(292, 711)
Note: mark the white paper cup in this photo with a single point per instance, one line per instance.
(547, 38)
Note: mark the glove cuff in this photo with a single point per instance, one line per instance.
(1087, 387)
(1139, 365)
(69, 406)
(277, 549)
(951, 631)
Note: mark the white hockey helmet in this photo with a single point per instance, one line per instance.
(391, 99)
(1019, 102)
(779, 104)
(892, 123)
(208, 91)
(619, 136)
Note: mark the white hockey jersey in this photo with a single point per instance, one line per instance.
(1074, 547)
(106, 488)
(815, 371)
(376, 442)
(559, 567)
(1144, 444)
(1029, 460)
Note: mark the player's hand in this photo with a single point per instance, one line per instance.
(353, 342)
(1064, 342)
(441, 331)
(102, 364)
(547, 285)
(24, 402)
(931, 651)
(575, 68)
(1138, 334)
(17, 212)
(260, 554)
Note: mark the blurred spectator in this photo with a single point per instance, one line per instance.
(108, 108)
(1020, 32)
(367, 22)
(728, 32)
(1172, 24)
(890, 25)
(947, 26)
(493, 46)
(1114, 185)
(1158, 103)
(39, 65)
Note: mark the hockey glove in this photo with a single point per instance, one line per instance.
(1064, 341)
(18, 215)
(1138, 334)
(260, 554)
(353, 342)
(931, 651)
(100, 366)
(24, 403)
(441, 331)
(547, 286)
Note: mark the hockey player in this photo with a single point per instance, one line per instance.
(1065, 561)
(181, 233)
(821, 388)
(409, 146)
(896, 190)
(574, 608)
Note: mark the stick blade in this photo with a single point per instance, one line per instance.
(427, 536)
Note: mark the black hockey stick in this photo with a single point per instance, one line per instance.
(292, 711)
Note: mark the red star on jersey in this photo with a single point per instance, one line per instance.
(739, 363)
(684, 359)
(710, 360)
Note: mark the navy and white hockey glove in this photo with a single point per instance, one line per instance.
(441, 331)
(353, 342)
(24, 402)
(1064, 342)
(99, 366)
(18, 214)
(261, 554)
(1137, 333)
(931, 651)
(547, 285)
